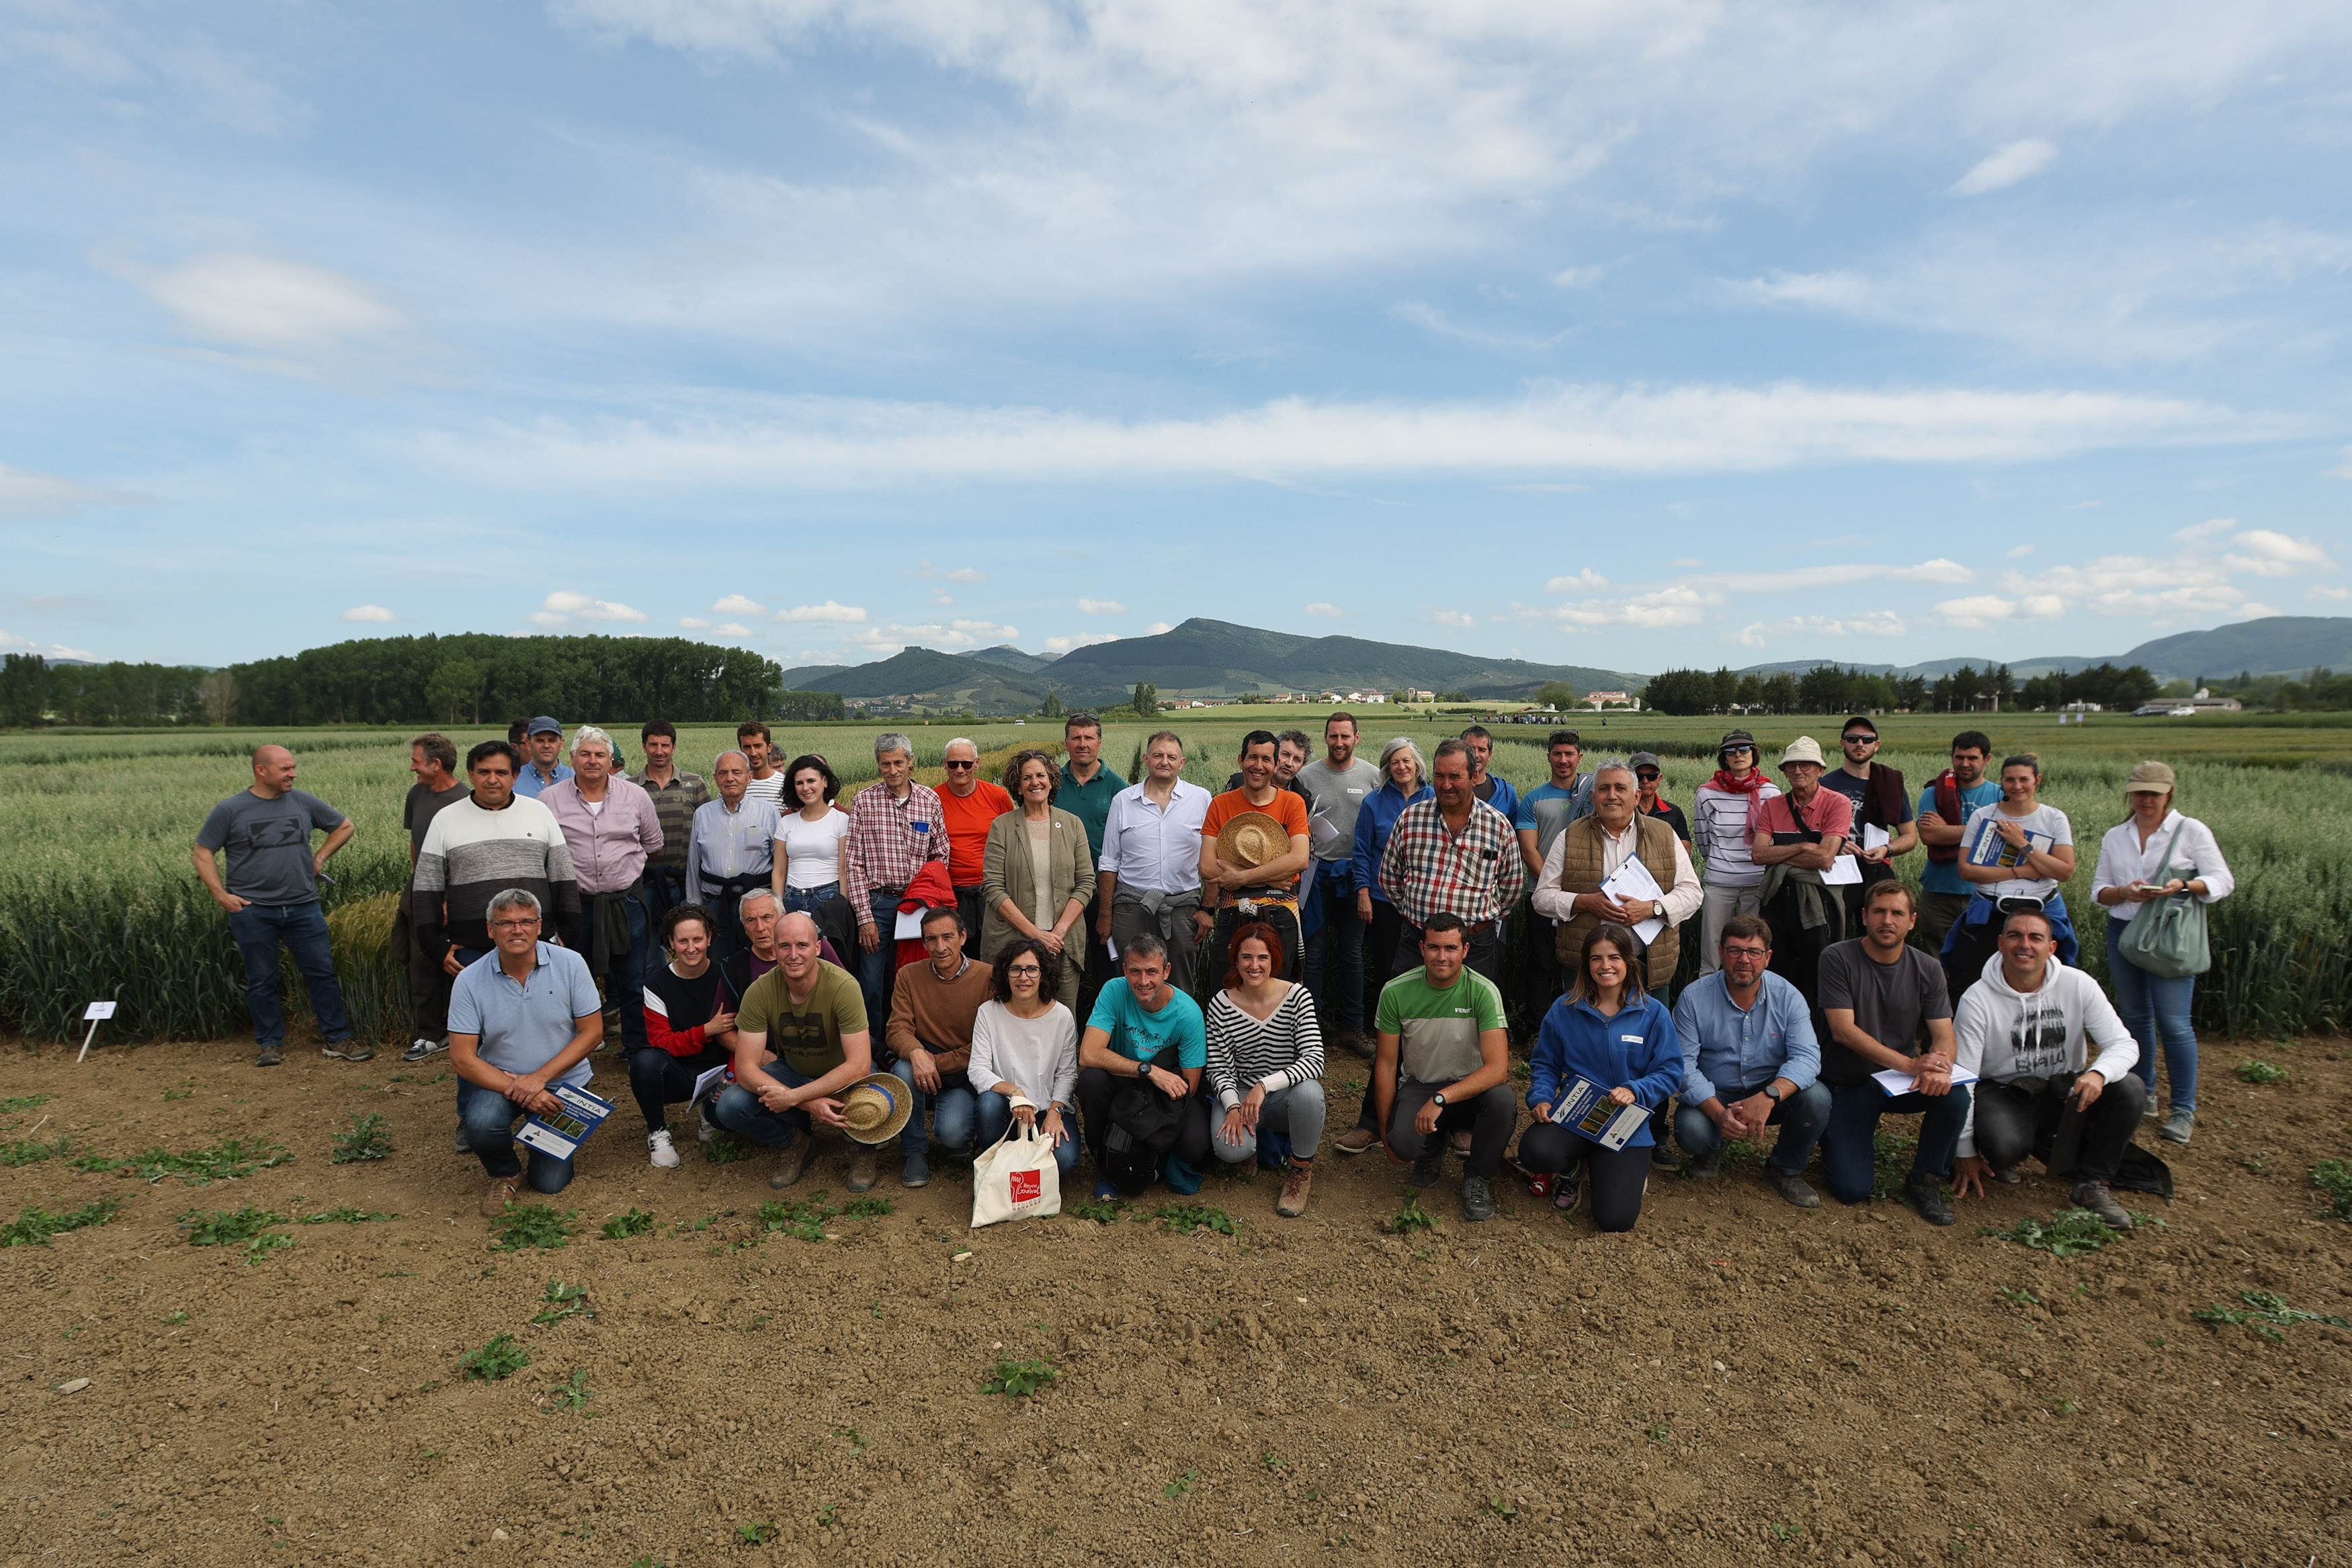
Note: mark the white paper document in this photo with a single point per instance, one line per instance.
(1894, 1081)
(707, 1082)
(909, 927)
(1845, 871)
(1633, 883)
(1875, 837)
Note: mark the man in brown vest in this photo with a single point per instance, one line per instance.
(1590, 851)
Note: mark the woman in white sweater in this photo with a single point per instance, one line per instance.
(2156, 853)
(2025, 1029)
(1025, 1052)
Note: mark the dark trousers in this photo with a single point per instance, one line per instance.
(1797, 948)
(1849, 1151)
(301, 928)
(2014, 1120)
(967, 906)
(1615, 1177)
(428, 991)
(624, 973)
(1485, 950)
(1541, 970)
(1285, 922)
(660, 1080)
(1335, 954)
(1380, 953)
(486, 1121)
(1171, 922)
(1095, 1088)
(1490, 1117)
(665, 891)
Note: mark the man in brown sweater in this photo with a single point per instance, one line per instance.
(932, 1005)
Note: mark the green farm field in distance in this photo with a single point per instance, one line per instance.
(98, 899)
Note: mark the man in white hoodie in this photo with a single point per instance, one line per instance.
(2023, 1031)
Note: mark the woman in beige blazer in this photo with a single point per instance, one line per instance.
(1037, 873)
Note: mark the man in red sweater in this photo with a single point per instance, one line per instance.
(967, 804)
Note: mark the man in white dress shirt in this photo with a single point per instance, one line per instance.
(1150, 874)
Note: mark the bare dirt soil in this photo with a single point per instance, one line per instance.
(1737, 1381)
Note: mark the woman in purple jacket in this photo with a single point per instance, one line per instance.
(1611, 1032)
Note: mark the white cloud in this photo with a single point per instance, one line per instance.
(2006, 166)
(2262, 553)
(11, 643)
(1579, 277)
(1101, 607)
(2343, 470)
(1586, 579)
(694, 622)
(1157, 628)
(1869, 624)
(732, 629)
(942, 600)
(1543, 489)
(924, 568)
(281, 313)
(2018, 552)
(1082, 640)
(1659, 608)
(25, 494)
(1990, 608)
(1449, 617)
(2212, 529)
(563, 605)
(373, 612)
(828, 610)
(1325, 609)
(735, 604)
(2331, 592)
(2192, 584)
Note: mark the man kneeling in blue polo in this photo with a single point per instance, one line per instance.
(1749, 1060)
(520, 1017)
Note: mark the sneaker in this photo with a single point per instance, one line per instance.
(1355, 1141)
(270, 1056)
(1478, 1199)
(1460, 1142)
(461, 1145)
(2094, 1196)
(709, 1129)
(1927, 1195)
(2177, 1126)
(1427, 1169)
(1708, 1165)
(1663, 1156)
(863, 1173)
(347, 1050)
(789, 1162)
(665, 1152)
(1793, 1187)
(1296, 1180)
(918, 1172)
(1358, 1044)
(1105, 1189)
(498, 1193)
(420, 1048)
(2007, 1175)
(1566, 1192)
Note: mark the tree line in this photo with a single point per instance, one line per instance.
(1829, 688)
(470, 678)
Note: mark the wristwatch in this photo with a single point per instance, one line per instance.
(1143, 1070)
(1657, 910)
(1772, 1092)
(1438, 1099)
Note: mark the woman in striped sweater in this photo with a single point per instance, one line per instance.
(1265, 1066)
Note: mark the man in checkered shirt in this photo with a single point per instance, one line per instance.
(894, 828)
(1456, 853)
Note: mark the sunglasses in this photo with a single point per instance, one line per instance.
(1859, 739)
(954, 765)
(1650, 776)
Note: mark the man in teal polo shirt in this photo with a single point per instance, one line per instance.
(1087, 787)
(1138, 1020)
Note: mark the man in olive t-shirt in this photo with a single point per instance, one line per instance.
(801, 1040)
(1444, 1062)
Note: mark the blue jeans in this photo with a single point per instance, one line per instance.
(485, 1120)
(1800, 1118)
(259, 929)
(1292, 1116)
(950, 1110)
(804, 900)
(996, 1114)
(624, 972)
(665, 891)
(877, 969)
(1847, 1150)
(2155, 1008)
(740, 1111)
(1335, 951)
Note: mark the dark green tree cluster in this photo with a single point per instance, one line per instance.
(811, 707)
(2108, 686)
(32, 691)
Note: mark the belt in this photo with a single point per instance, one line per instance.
(1154, 899)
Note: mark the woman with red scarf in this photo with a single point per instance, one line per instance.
(1720, 818)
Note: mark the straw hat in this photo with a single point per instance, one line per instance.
(1251, 839)
(876, 1107)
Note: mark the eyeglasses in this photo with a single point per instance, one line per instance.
(514, 925)
(960, 767)
(1859, 739)
(1024, 969)
(1759, 954)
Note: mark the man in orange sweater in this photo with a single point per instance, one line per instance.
(967, 804)
(932, 1005)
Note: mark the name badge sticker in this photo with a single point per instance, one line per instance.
(920, 827)
(1629, 1039)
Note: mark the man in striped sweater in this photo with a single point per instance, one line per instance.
(493, 839)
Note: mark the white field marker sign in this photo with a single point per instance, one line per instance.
(97, 1013)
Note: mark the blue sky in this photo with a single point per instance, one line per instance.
(1621, 335)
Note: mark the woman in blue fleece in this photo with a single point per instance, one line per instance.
(1611, 1032)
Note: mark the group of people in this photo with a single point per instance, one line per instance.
(750, 937)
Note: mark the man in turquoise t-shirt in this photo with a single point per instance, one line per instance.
(1943, 893)
(1137, 1019)
(1444, 1062)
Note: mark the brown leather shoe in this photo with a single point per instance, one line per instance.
(862, 1172)
(498, 1193)
(1296, 1180)
(1460, 1142)
(1354, 1141)
(790, 1164)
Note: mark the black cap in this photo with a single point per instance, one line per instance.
(1734, 738)
(1863, 719)
(1645, 759)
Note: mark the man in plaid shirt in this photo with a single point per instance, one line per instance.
(894, 828)
(1456, 853)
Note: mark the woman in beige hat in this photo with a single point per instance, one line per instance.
(1037, 872)
(2157, 841)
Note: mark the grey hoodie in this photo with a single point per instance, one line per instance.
(2005, 1034)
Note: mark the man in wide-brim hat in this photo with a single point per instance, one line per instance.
(1252, 847)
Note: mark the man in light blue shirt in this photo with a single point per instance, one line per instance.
(1149, 878)
(1750, 1059)
(543, 765)
(520, 1018)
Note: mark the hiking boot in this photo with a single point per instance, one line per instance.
(1427, 1169)
(270, 1056)
(1662, 1154)
(421, 1048)
(2007, 1175)
(1793, 1187)
(1567, 1191)
(1927, 1195)
(1355, 1140)
(462, 1147)
(1460, 1142)
(1707, 1166)
(1478, 1199)
(1366, 1045)
(2094, 1196)
(1296, 1180)
(347, 1050)
(498, 1193)
(789, 1162)
(665, 1152)
(2177, 1126)
(862, 1172)
(918, 1172)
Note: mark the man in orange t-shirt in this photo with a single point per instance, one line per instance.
(1267, 891)
(967, 804)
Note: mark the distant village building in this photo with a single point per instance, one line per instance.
(1611, 699)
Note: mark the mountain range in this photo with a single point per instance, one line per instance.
(2273, 645)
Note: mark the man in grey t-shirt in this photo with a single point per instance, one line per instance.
(1336, 784)
(271, 894)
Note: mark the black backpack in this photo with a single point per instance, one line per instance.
(1144, 1124)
